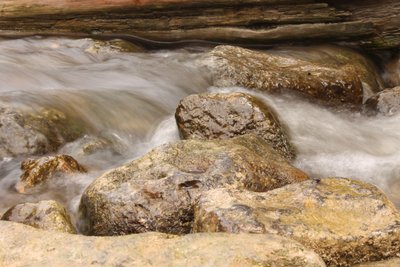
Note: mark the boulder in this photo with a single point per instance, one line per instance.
(157, 191)
(330, 74)
(220, 116)
(35, 133)
(344, 221)
(37, 171)
(46, 215)
(21, 245)
(386, 102)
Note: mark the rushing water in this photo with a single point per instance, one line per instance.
(131, 97)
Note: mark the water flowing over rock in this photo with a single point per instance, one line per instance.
(386, 102)
(220, 116)
(37, 171)
(35, 133)
(112, 46)
(344, 221)
(157, 192)
(330, 74)
(46, 215)
(38, 248)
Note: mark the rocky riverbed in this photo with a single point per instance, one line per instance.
(221, 156)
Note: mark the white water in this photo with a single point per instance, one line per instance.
(132, 98)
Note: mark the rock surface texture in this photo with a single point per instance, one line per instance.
(221, 116)
(344, 221)
(23, 133)
(46, 215)
(37, 171)
(39, 248)
(393, 262)
(330, 74)
(157, 191)
(385, 103)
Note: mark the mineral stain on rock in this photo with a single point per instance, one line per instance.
(345, 221)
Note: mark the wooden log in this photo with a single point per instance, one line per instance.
(370, 24)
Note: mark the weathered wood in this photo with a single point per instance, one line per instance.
(371, 24)
(384, 14)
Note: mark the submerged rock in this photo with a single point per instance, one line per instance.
(46, 215)
(112, 46)
(220, 116)
(40, 248)
(37, 171)
(92, 144)
(35, 133)
(157, 192)
(331, 74)
(344, 221)
(386, 102)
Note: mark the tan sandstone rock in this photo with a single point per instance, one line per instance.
(221, 116)
(46, 215)
(344, 221)
(157, 191)
(22, 245)
(393, 262)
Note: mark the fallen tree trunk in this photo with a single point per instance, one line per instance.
(370, 24)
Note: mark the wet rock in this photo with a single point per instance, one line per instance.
(344, 221)
(112, 46)
(35, 133)
(37, 171)
(150, 249)
(92, 144)
(46, 215)
(220, 116)
(17, 138)
(393, 262)
(330, 74)
(386, 102)
(157, 192)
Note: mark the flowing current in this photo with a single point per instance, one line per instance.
(131, 98)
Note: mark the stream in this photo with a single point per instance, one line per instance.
(131, 98)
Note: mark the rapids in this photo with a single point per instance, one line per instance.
(131, 98)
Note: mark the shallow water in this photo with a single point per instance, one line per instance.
(131, 98)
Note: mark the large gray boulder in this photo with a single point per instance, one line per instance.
(21, 245)
(220, 116)
(333, 75)
(46, 215)
(157, 191)
(344, 221)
